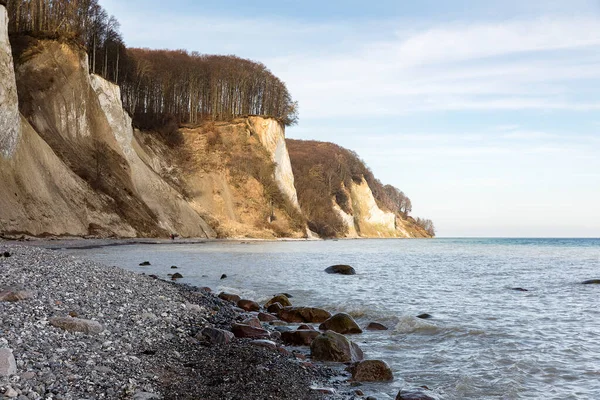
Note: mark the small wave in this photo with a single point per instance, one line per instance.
(409, 324)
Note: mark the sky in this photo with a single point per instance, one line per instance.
(485, 113)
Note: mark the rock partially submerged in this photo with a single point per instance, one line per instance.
(371, 371)
(281, 299)
(591, 282)
(376, 326)
(304, 314)
(341, 323)
(340, 269)
(413, 395)
(331, 346)
(234, 298)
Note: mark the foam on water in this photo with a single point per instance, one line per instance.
(409, 324)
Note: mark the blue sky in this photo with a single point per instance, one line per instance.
(485, 113)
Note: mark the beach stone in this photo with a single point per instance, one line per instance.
(176, 275)
(145, 396)
(173, 266)
(247, 331)
(304, 314)
(413, 395)
(223, 276)
(371, 371)
(332, 346)
(206, 289)
(376, 326)
(216, 336)
(76, 325)
(269, 344)
(8, 365)
(144, 263)
(10, 393)
(591, 282)
(519, 289)
(275, 308)
(281, 299)
(425, 316)
(6, 254)
(324, 391)
(248, 305)
(267, 317)
(255, 322)
(306, 327)
(234, 298)
(340, 269)
(302, 337)
(13, 295)
(341, 323)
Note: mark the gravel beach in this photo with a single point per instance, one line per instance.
(79, 330)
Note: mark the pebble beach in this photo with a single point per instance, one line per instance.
(74, 329)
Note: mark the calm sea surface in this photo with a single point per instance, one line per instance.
(485, 341)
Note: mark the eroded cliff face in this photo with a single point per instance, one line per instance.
(76, 169)
(367, 219)
(226, 175)
(272, 136)
(10, 122)
(173, 213)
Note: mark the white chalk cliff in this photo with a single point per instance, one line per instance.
(10, 121)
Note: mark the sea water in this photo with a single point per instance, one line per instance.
(484, 340)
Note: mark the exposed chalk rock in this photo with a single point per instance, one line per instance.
(10, 119)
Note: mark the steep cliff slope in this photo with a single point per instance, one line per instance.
(340, 197)
(238, 175)
(72, 164)
(40, 195)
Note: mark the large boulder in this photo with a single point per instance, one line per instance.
(372, 371)
(376, 326)
(71, 324)
(281, 299)
(275, 308)
(248, 305)
(340, 269)
(247, 331)
(304, 314)
(8, 365)
(252, 321)
(216, 336)
(266, 317)
(234, 298)
(331, 346)
(302, 337)
(341, 323)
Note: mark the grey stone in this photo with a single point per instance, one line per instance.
(8, 365)
(71, 324)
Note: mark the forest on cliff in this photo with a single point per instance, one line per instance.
(160, 88)
(167, 90)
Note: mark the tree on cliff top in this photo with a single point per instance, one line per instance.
(159, 87)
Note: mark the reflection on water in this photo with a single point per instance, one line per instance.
(485, 341)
